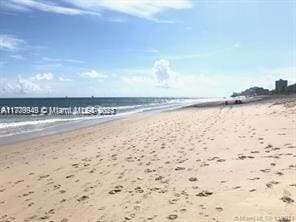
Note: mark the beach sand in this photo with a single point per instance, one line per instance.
(224, 163)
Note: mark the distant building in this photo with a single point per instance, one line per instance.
(291, 89)
(235, 94)
(281, 86)
(253, 91)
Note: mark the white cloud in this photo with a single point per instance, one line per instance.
(141, 8)
(43, 76)
(34, 85)
(10, 42)
(162, 75)
(20, 86)
(46, 6)
(165, 77)
(26, 86)
(62, 79)
(93, 74)
(13, 6)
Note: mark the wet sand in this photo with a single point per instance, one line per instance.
(223, 163)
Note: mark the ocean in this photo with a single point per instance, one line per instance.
(16, 127)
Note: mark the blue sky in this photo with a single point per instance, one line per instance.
(144, 48)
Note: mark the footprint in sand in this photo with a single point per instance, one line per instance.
(69, 176)
(172, 216)
(27, 194)
(255, 178)
(19, 181)
(219, 209)
(265, 170)
(271, 183)
(55, 187)
(183, 210)
(279, 173)
(204, 193)
(242, 157)
(117, 189)
(131, 216)
(139, 190)
(180, 168)
(43, 176)
(287, 199)
(173, 201)
(75, 165)
(192, 179)
(82, 198)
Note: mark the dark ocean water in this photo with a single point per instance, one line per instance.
(18, 126)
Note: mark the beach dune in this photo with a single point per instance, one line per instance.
(224, 163)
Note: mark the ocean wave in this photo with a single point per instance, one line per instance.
(43, 121)
(13, 127)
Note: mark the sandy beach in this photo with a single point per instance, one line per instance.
(224, 163)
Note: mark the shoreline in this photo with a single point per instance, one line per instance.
(81, 124)
(74, 131)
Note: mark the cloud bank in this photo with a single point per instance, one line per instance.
(20, 86)
(146, 9)
(10, 42)
(45, 6)
(141, 8)
(93, 74)
(43, 76)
